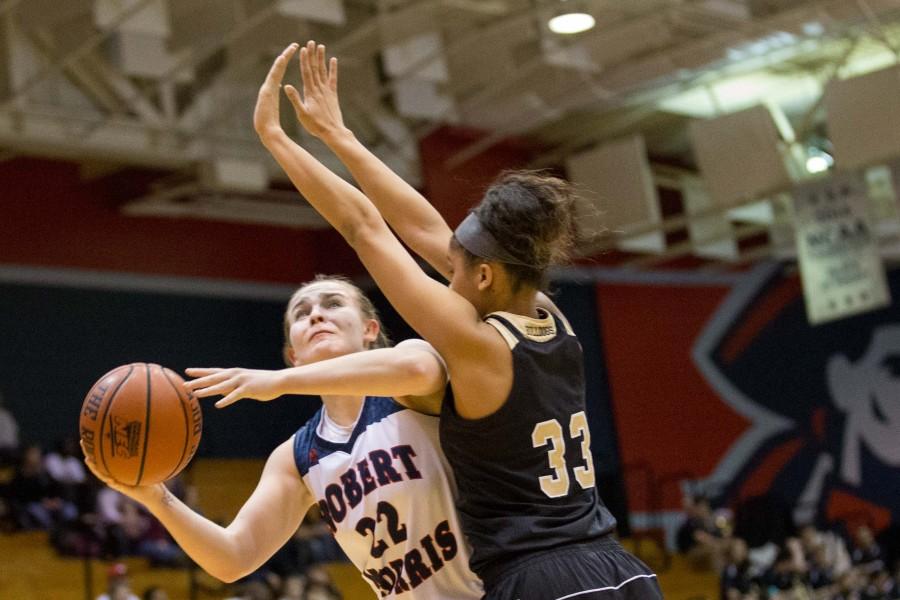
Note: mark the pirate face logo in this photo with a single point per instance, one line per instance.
(868, 392)
(823, 402)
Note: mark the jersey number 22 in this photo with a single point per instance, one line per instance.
(550, 433)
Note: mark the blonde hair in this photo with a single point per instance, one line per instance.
(366, 309)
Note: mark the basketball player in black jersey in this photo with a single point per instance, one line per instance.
(513, 423)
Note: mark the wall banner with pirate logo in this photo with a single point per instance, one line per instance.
(837, 248)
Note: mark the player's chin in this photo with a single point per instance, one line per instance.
(325, 348)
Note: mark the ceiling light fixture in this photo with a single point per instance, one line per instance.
(817, 160)
(571, 20)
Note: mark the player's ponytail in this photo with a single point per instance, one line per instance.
(529, 215)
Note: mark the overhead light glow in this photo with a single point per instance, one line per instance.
(816, 164)
(817, 160)
(569, 23)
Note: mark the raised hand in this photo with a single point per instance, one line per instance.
(234, 384)
(318, 109)
(265, 116)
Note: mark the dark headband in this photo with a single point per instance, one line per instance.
(474, 237)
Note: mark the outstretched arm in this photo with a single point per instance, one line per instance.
(411, 371)
(407, 211)
(333, 197)
(446, 319)
(265, 522)
(414, 219)
(423, 302)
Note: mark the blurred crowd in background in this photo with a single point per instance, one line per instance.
(761, 553)
(54, 492)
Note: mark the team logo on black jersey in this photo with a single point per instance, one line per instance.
(540, 330)
(822, 403)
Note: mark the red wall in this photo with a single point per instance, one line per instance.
(657, 392)
(50, 217)
(454, 191)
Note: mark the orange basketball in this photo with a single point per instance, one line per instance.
(139, 424)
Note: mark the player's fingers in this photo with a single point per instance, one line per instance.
(202, 371)
(92, 467)
(219, 389)
(306, 72)
(279, 66)
(333, 74)
(320, 64)
(281, 62)
(313, 61)
(108, 481)
(217, 376)
(294, 98)
(299, 107)
(229, 399)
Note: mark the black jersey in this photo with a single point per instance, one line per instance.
(525, 473)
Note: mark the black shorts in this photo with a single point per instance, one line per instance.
(599, 570)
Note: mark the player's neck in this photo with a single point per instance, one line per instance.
(343, 410)
(520, 303)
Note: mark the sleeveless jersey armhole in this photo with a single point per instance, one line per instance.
(503, 330)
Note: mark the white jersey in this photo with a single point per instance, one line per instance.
(388, 496)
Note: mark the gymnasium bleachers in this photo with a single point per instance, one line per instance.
(32, 570)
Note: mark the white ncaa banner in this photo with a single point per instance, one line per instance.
(837, 247)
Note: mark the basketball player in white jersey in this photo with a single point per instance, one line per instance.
(374, 467)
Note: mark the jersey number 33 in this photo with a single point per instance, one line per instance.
(550, 434)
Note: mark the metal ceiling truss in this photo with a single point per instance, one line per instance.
(171, 83)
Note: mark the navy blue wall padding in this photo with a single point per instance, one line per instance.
(57, 341)
(579, 303)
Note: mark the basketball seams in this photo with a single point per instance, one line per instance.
(187, 426)
(125, 408)
(146, 428)
(103, 418)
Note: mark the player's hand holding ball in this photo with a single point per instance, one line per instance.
(139, 426)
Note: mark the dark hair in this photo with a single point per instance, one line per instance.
(530, 214)
(365, 305)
